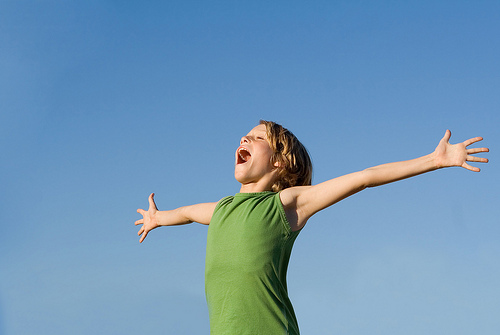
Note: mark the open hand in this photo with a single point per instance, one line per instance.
(447, 154)
(149, 220)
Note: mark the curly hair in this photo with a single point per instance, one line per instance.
(294, 163)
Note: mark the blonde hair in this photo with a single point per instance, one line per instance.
(294, 163)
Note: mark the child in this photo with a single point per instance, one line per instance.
(251, 234)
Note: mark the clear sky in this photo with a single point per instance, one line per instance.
(103, 102)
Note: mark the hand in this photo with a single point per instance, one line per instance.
(447, 154)
(149, 220)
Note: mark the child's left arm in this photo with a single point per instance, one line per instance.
(301, 203)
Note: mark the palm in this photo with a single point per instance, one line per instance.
(148, 221)
(447, 154)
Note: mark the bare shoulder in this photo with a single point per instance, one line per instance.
(301, 203)
(289, 195)
(290, 199)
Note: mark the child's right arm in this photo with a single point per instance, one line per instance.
(153, 218)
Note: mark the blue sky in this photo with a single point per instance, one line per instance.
(104, 102)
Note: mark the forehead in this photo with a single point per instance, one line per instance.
(260, 129)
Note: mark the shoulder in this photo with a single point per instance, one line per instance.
(223, 202)
(290, 199)
(290, 196)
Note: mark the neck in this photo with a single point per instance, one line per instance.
(254, 188)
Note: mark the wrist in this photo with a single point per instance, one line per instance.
(435, 161)
(161, 219)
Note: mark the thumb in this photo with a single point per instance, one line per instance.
(447, 135)
(152, 201)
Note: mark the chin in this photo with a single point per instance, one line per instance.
(239, 173)
(240, 179)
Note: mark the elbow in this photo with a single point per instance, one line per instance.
(368, 178)
(183, 216)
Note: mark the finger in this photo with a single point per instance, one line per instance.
(152, 201)
(141, 211)
(143, 237)
(447, 135)
(477, 159)
(138, 222)
(471, 168)
(477, 150)
(472, 140)
(140, 231)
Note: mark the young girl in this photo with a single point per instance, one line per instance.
(251, 234)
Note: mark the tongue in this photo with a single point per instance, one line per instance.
(245, 155)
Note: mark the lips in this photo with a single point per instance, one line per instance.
(243, 155)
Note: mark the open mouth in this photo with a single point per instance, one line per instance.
(243, 155)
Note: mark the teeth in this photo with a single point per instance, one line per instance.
(244, 156)
(241, 156)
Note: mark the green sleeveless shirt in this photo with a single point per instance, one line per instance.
(248, 248)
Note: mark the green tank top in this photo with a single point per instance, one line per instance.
(248, 248)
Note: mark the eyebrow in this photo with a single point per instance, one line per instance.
(258, 134)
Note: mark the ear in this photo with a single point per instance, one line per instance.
(277, 164)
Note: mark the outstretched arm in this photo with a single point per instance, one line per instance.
(153, 218)
(445, 155)
(302, 202)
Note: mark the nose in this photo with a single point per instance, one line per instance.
(244, 139)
